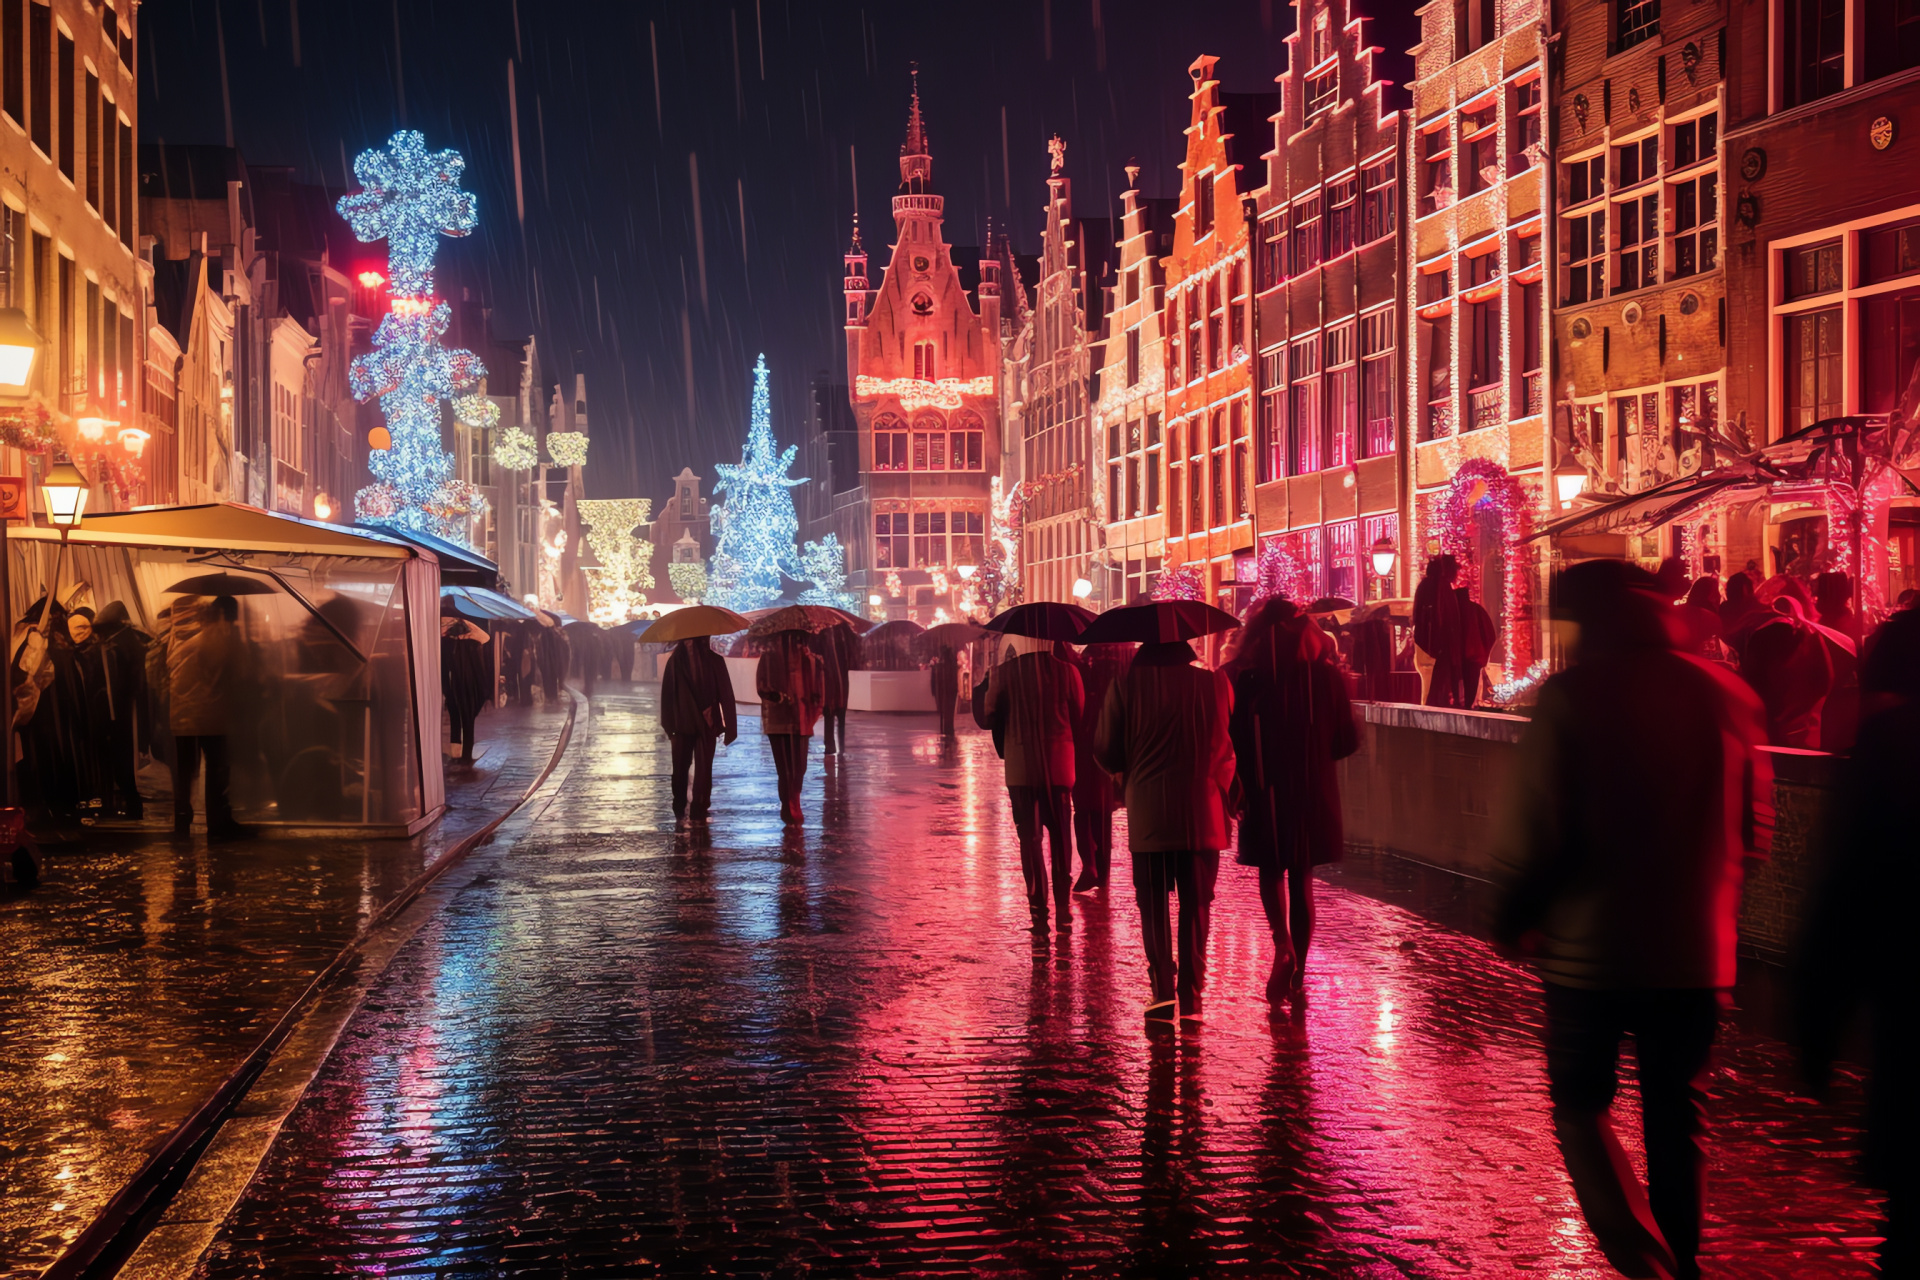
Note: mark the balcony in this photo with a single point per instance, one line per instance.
(1483, 407)
(1535, 392)
(1439, 418)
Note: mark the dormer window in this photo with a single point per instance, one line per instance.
(923, 361)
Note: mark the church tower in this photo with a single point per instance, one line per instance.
(922, 375)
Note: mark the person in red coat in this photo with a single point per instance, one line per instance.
(1094, 795)
(1788, 664)
(792, 687)
(1291, 721)
(1034, 699)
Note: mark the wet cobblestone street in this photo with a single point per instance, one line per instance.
(626, 1052)
(142, 971)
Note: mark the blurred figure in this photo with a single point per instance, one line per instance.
(696, 708)
(1833, 604)
(1740, 613)
(83, 662)
(1439, 635)
(1700, 617)
(1094, 795)
(466, 680)
(623, 654)
(160, 695)
(1035, 698)
(837, 659)
(1163, 731)
(552, 653)
(1477, 638)
(792, 688)
(203, 667)
(123, 651)
(1630, 910)
(1856, 949)
(1787, 663)
(1372, 655)
(943, 675)
(1291, 721)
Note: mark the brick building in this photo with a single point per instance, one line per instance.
(1208, 320)
(1478, 327)
(1330, 449)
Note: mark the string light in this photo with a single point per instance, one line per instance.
(824, 564)
(918, 393)
(626, 559)
(477, 411)
(1280, 574)
(755, 527)
(567, 448)
(515, 450)
(410, 198)
(688, 578)
(1453, 525)
(1182, 582)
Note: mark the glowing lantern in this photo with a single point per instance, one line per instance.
(1082, 588)
(322, 508)
(134, 440)
(91, 428)
(1384, 557)
(65, 491)
(379, 438)
(372, 279)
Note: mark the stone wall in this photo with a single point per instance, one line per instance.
(1429, 785)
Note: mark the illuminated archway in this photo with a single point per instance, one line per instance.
(1479, 480)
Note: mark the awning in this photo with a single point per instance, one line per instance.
(460, 566)
(483, 605)
(228, 526)
(1651, 508)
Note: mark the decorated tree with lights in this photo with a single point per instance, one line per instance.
(626, 559)
(688, 578)
(755, 525)
(824, 564)
(1182, 582)
(410, 197)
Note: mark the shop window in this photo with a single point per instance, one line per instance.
(1812, 270)
(1893, 37)
(1343, 199)
(1343, 396)
(1639, 243)
(1636, 20)
(1696, 219)
(890, 540)
(1811, 365)
(1376, 381)
(1479, 149)
(1379, 204)
(1814, 62)
(1304, 242)
(1303, 366)
(1342, 559)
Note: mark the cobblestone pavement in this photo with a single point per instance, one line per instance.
(625, 1052)
(141, 972)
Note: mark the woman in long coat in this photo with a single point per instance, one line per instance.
(792, 686)
(1291, 721)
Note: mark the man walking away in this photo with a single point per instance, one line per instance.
(1164, 728)
(1034, 699)
(203, 660)
(696, 708)
(1640, 795)
(837, 660)
(943, 674)
(789, 679)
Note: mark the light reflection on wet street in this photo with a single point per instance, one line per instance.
(626, 1052)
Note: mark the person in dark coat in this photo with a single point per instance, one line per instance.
(1291, 721)
(1699, 617)
(1477, 638)
(1856, 948)
(1372, 656)
(1094, 795)
(552, 653)
(1035, 699)
(1163, 730)
(466, 680)
(206, 666)
(623, 654)
(791, 683)
(836, 648)
(943, 676)
(696, 709)
(1740, 613)
(1788, 664)
(1641, 794)
(1439, 632)
(123, 651)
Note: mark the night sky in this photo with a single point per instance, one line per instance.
(774, 101)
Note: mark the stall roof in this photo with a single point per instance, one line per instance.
(460, 566)
(230, 526)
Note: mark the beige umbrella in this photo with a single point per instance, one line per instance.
(694, 620)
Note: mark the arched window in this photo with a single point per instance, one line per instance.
(967, 442)
(929, 441)
(889, 442)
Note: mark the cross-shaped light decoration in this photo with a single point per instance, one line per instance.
(412, 197)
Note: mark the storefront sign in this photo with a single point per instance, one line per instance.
(13, 500)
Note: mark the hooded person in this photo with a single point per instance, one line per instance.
(1629, 909)
(1439, 635)
(1035, 699)
(1163, 730)
(696, 708)
(1291, 721)
(792, 684)
(1855, 950)
(466, 679)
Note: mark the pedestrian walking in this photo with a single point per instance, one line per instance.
(1094, 795)
(204, 662)
(943, 675)
(1034, 699)
(1163, 731)
(791, 685)
(696, 710)
(1856, 950)
(1629, 911)
(1740, 613)
(466, 680)
(130, 714)
(1291, 720)
(836, 649)
(553, 654)
(1439, 636)
(1787, 663)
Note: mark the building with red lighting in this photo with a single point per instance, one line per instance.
(1208, 322)
(1332, 436)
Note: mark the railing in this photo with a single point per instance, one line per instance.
(1483, 407)
(1536, 394)
(1439, 418)
(919, 204)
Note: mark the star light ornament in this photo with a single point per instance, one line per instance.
(755, 526)
(410, 198)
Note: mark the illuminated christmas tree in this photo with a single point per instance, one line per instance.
(824, 564)
(755, 526)
(410, 198)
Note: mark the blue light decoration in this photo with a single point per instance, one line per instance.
(824, 564)
(410, 198)
(755, 526)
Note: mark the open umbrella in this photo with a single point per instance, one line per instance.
(1043, 620)
(1157, 621)
(222, 584)
(953, 633)
(1328, 604)
(806, 617)
(694, 620)
(898, 629)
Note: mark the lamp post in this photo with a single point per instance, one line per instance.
(20, 344)
(1384, 557)
(1569, 480)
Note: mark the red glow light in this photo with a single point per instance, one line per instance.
(372, 279)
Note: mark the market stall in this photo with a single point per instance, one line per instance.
(331, 706)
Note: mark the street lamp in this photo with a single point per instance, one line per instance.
(1569, 480)
(966, 571)
(1384, 557)
(1082, 589)
(65, 491)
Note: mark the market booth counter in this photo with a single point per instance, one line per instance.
(332, 700)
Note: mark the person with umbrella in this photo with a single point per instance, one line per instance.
(792, 684)
(1291, 720)
(1094, 795)
(203, 667)
(466, 679)
(837, 659)
(943, 674)
(1034, 700)
(696, 701)
(1163, 731)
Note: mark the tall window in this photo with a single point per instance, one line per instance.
(1342, 560)
(1272, 454)
(1638, 164)
(1343, 199)
(92, 143)
(1815, 61)
(1237, 308)
(1303, 367)
(969, 537)
(1203, 205)
(889, 443)
(1637, 20)
(40, 75)
(1524, 132)
(1196, 478)
(1196, 348)
(1153, 481)
(1217, 439)
(1480, 149)
(1529, 344)
(1376, 381)
(1270, 248)
(1343, 407)
(1133, 357)
(890, 540)
(1893, 37)
(1813, 269)
(1586, 256)
(1436, 170)
(1175, 489)
(1216, 323)
(1811, 360)
(1304, 243)
(13, 39)
(1379, 209)
(109, 165)
(929, 538)
(924, 367)
(69, 100)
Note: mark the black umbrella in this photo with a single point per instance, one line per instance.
(1157, 621)
(223, 584)
(1043, 620)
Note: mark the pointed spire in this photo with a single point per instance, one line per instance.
(857, 249)
(916, 143)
